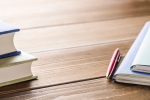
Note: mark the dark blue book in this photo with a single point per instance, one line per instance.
(7, 47)
(124, 73)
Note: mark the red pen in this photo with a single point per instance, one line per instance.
(115, 58)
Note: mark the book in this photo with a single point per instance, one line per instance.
(141, 63)
(16, 69)
(7, 47)
(124, 73)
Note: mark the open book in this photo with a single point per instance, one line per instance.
(136, 61)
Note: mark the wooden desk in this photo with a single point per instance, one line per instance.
(74, 41)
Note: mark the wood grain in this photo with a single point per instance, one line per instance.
(69, 65)
(43, 13)
(98, 89)
(70, 36)
(81, 54)
(74, 41)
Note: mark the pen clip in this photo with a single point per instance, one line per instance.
(119, 58)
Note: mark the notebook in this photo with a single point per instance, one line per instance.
(126, 72)
(141, 62)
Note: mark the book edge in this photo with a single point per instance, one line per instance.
(31, 59)
(18, 80)
(10, 54)
(9, 31)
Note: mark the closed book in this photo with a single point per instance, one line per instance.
(141, 63)
(16, 69)
(125, 72)
(7, 47)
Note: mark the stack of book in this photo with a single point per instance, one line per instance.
(135, 68)
(15, 65)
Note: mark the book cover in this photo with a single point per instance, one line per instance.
(10, 54)
(6, 28)
(141, 62)
(14, 60)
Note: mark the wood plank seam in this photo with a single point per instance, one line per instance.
(46, 86)
(90, 21)
(110, 42)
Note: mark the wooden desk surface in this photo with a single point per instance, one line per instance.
(74, 41)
